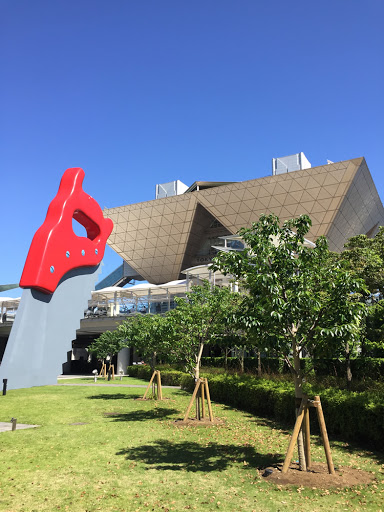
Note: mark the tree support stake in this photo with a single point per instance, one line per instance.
(201, 391)
(303, 417)
(155, 383)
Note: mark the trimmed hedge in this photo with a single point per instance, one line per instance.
(362, 367)
(169, 376)
(350, 415)
(356, 416)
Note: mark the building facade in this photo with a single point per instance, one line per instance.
(162, 237)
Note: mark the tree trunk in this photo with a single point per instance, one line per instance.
(241, 356)
(348, 365)
(258, 362)
(226, 350)
(153, 362)
(198, 361)
(298, 379)
(197, 377)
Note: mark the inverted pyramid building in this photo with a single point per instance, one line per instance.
(162, 237)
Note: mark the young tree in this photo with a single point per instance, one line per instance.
(296, 294)
(107, 344)
(373, 336)
(365, 256)
(147, 333)
(206, 315)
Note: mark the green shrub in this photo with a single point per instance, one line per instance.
(357, 416)
(362, 367)
(169, 376)
(350, 415)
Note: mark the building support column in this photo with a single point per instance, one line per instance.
(123, 361)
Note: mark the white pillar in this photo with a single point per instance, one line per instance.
(122, 361)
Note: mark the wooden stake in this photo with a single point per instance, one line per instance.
(208, 400)
(192, 399)
(149, 385)
(110, 369)
(159, 389)
(202, 398)
(324, 435)
(307, 438)
(295, 435)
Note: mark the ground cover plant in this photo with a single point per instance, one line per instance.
(100, 449)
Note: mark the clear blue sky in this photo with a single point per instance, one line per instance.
(144, 92)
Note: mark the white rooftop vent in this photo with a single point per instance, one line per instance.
(290, 163)
(173, 188)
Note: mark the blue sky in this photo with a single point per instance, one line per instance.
(144, 92)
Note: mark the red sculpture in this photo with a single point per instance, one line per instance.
(55, 248)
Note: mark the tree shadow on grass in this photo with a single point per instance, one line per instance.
(157, 413)
(284, 428)
(114, 396)
(191, 456)
(361, 449)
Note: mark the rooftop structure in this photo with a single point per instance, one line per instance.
(160, 238)
(290, 163)
(172, 188)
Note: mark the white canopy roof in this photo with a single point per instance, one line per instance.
(140, 290)
(9, 302)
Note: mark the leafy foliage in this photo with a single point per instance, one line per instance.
(148, 334)
(365, 256)
(205, 316)
(108, 343)
(373, 342)
(298, 297)
(352, 415)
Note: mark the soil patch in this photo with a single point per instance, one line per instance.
(204, 422)
(318, 476)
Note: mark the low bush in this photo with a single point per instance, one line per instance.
(361, 367)
(169, 376)
(357, 416)
(350, 415)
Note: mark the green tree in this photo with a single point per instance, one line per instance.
(147, 334)
(107, 344)
(297, 296)
(205, 316)
(373, 336)
(365, 256)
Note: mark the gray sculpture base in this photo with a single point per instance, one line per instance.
(44, 328)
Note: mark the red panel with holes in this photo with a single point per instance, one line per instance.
(55, 248)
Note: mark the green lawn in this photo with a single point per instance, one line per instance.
(137, 460)
(90, 380)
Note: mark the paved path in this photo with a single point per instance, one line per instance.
(110, 385)
(91, 383)
(4, 426)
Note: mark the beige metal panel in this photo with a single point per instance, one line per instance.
(150, 240)
(361, 210)
(158, 237)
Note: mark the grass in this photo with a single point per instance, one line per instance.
(129, 456)
(90, 380)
